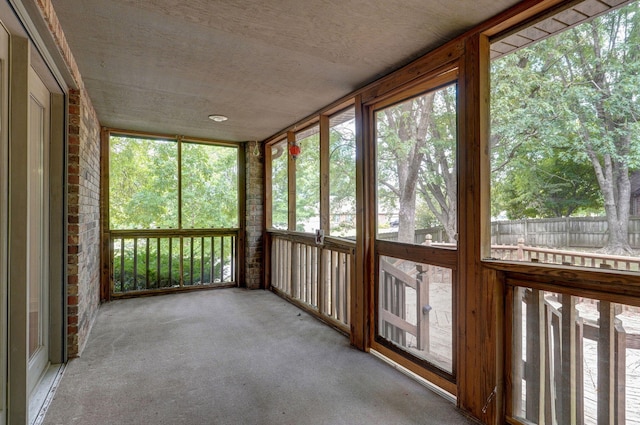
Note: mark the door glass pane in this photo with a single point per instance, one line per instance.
(209, 186)
(308, 180)
(279, 186)
(37, 205)
(143, 183)
(416, 169)
(342, 174)
(415, 309)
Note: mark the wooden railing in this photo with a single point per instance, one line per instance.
(162, 260)
(521, 252)
(406, 313)
(554, 378)
(318, 276)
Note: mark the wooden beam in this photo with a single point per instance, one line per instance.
(325, 189)
(291, 179)
(363, 273)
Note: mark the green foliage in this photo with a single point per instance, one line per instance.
(416, 155)
(565, 134)
(143, 184)
(308, 181)
(209, 186)
(342, 177)
(279, 186)
(549, 187)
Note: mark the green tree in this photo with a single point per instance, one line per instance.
(144, 184)
(576, 93)
(416, 142)
(342, 177)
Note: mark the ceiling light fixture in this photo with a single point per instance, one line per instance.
(217, 118)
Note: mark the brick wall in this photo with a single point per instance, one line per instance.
(83, 199)
(255, 216)
(83, 220)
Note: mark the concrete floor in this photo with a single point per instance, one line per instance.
(232, 357)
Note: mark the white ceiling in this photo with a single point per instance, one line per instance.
(163, 66)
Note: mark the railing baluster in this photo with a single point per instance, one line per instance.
(211, 260)
(135, 263)
(158, 257)
(147, 264)
(122, 265)
(568, 404)
(170, 261)
(191, 261)
(202, 260)
(181, 262)
(222, 259)
(620, 354)
(535, 366)
(606, 363)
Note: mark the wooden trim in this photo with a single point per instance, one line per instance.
(291, 181)
(268, 188)
(511, 337)
(241, 264)
(442, 257)
(516, 15)
(179, 171)
(587, 289)
(164, 136)
(616, 286)
(479, 298)
(325, 189)
(362, 293)
(153, 292)
(439, 71)
(339, 326)
(413, 367)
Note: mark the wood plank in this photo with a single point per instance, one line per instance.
(291, 180)
(568, 403)
(362, 294)
(324, 175)
(606, 362)
(443, 257)
(393, 319)
(427, 374)
(390, 269)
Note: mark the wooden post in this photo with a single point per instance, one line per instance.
(579, 328)
(423, 281)
(567, 410)
(620, 353)
(514, 391)
(552, 341)
(606, 363)
(535, 370)
(520, 249)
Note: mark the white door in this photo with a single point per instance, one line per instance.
(38, 229)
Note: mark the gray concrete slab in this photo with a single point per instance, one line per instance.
(232, 357)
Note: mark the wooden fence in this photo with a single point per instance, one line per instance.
(568, 232)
